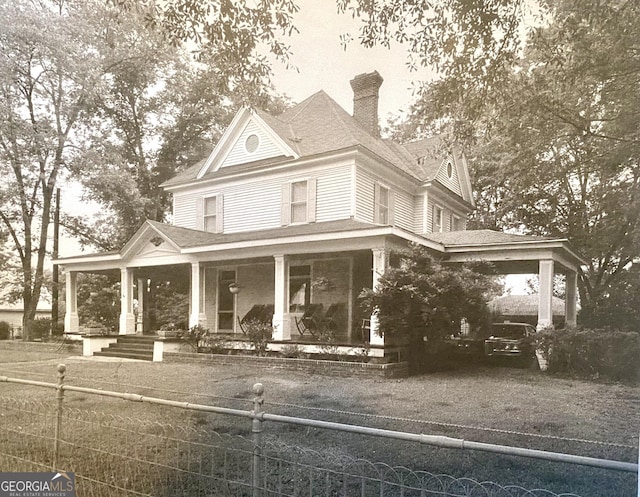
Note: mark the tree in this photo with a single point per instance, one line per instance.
(555, 135)
(48, 81)
(562, 148)
(421, 298)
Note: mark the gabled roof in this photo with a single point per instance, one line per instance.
(318, 125)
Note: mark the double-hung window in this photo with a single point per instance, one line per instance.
(383, 205)
(209, 214)
(438, 219)
(299, 202)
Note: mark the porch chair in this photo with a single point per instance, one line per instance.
(308, 322)
(254, 313)
(329, 322)
(267, 314)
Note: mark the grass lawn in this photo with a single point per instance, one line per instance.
(500, 405)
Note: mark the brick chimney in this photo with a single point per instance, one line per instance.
(365, 100)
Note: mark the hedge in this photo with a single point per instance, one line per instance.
(592, 353)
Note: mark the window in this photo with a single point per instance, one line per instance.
(450, 169)
(251, 144)
(299, 287)
(456, 223)
(438, 218)
(211, 212)
(382, 198)
(299, 202)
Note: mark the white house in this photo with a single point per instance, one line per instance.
(313, 195)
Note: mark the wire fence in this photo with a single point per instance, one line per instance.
(125, 455)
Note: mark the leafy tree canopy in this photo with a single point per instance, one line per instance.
(557, 145)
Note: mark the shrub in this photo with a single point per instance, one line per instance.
(214, 344)
(194, 334)
(5, 330)
(259, 334)
(40, 328)
(587, 353)
(292, 351)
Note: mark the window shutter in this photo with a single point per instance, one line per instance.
(286, 204)
(392, 208)
(219, 214)
(312, 184)
(200, 214)
(376, 200)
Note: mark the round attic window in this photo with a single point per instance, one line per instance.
(449, 169)
(252, 143)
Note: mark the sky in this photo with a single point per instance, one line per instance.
(323, 64)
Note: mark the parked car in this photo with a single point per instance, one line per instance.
(464, 346)
(510, 340)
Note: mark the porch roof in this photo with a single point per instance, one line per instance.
(506, 249)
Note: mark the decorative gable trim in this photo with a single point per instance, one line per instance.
(246, 123)
(148, 240)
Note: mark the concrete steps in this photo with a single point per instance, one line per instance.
(130, 347)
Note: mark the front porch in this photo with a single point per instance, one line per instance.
(223, 278)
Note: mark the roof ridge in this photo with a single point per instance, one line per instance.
(298, 108)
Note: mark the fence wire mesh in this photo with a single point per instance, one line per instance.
(121, 455)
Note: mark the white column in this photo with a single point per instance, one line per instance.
(127, 318)
(71, 321)
(197, 315)
(379, 267)
(281, 319)
(545, 304)
(142, 287)
(570, 299)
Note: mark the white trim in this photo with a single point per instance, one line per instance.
(231, 134)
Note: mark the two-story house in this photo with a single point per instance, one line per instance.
(303, 208)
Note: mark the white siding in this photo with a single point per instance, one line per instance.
(253, 205)
(365, 191)
(418, 214)
(403, 210)
(452, 183)
(365, 186)
(238, 154)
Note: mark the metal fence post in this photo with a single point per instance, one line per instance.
(60, 398)
(256, 433)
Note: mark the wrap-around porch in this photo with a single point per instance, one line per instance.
(305, 284)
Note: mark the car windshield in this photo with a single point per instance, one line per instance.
(508, 331)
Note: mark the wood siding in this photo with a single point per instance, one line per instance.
(452, 183)
(418, 214)
(238, 154)
(253, 205)
(403, 202)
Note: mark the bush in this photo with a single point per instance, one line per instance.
(259, 334)
(40, 328)
(587, 353)
(5, 330)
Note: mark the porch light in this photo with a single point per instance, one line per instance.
(234, 288)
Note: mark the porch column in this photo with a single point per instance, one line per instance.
(197, 315)
(570, 296)
(71, 321)
(379, 266)
(281, 319)
(127, 318)
(545, 304)
(142, 284)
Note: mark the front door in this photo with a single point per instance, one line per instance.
(226, 301)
